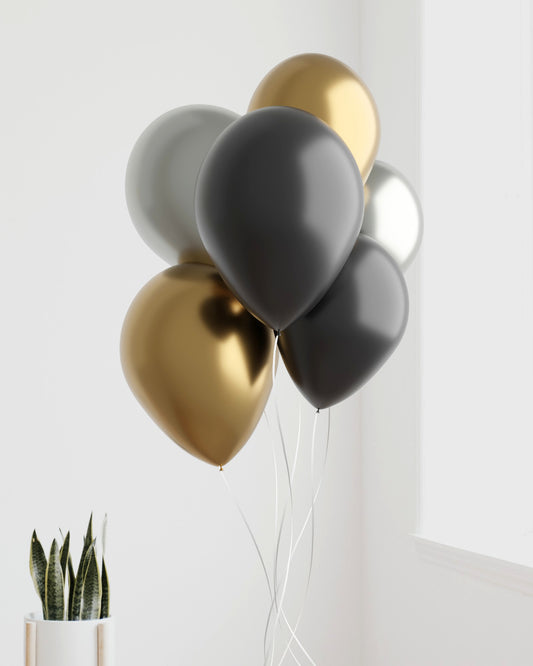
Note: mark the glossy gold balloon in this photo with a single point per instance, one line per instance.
(197, 361)
(330, 90)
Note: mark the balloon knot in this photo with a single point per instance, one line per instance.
(318, 411)
(220, 468)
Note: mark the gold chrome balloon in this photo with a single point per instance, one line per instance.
(197, 361)
(329, 90)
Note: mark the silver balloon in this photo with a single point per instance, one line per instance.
(161, 179)
(393, 214)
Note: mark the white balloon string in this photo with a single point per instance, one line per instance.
(275, 586)
(317, 491)
(274, 601)
(250, 531)
(309, 516)
(312, 545)
(258, 550)
(279, 603)
(273, 605)
(314, 496)
(254, 540)
(297, 439)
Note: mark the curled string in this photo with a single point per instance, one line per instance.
(292, 631)
(317, 491)
(279, 603)
(274, 588)
(314, 495)
(274, 600)
(254, 540)
(292, 549)
(298, 437)
(311, 555)
(273, 604)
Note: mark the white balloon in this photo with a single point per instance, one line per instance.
(161, 179)
(393, 214)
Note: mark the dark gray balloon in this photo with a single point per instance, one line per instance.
(279, 205)
(337, 346)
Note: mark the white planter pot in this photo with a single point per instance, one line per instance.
(81, 643)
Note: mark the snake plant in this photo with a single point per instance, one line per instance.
(65, 594)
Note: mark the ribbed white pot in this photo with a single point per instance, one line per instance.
(80, 643)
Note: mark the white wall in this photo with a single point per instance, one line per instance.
(417, 613)
(79, 83)
(477, 288)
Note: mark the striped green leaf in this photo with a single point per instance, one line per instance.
(88, 591)
(89, 535)
(75, 601)
(71, 584)
(80, 577)
(104, 608)
(64, 555)
(38, 569)
(92, 589)
(54, 586)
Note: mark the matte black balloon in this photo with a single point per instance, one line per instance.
(336, 347)
(279, 205)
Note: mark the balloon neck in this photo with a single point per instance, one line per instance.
(220, 468)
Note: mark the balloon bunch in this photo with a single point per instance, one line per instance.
(261, 218)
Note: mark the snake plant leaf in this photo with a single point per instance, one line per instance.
(104, 608)
(54, 586)
(38, 569)
(92, 589)
(88, 590)
(77, 589)
(89, 535)
(71, 583)
(80, 578)
(86, 561)
(64, 555)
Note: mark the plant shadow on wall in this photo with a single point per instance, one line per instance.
(273, 205)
